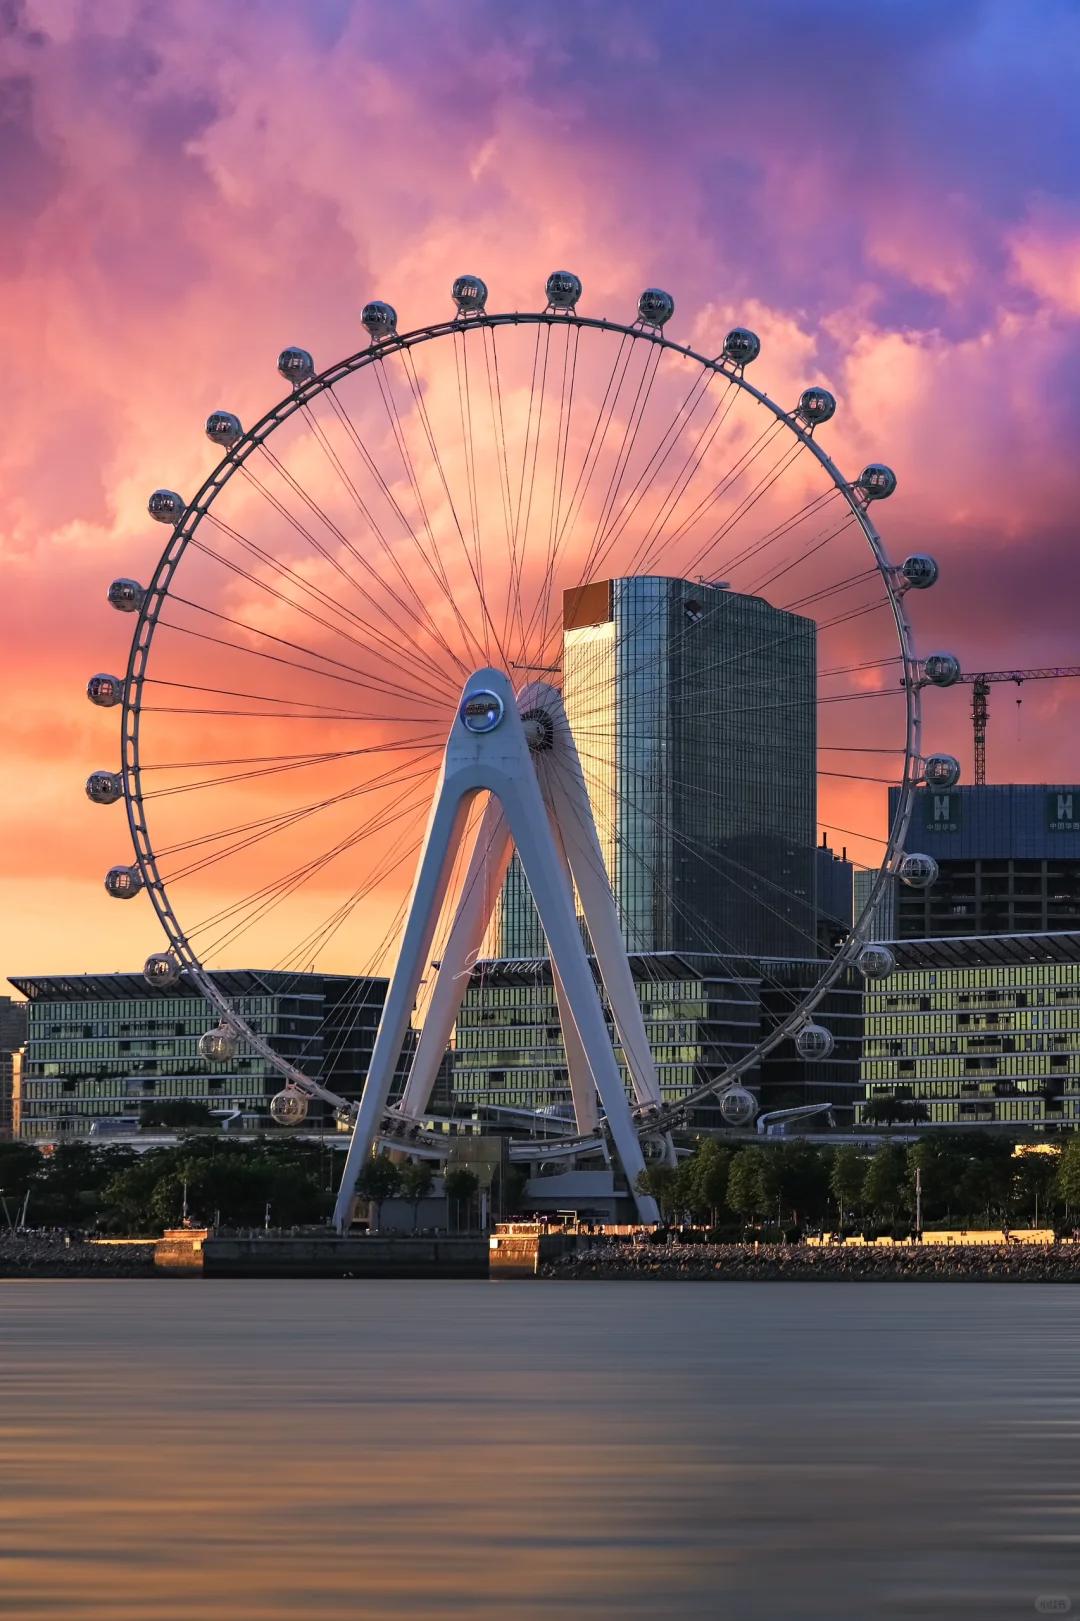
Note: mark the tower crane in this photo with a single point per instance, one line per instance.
(980, 701)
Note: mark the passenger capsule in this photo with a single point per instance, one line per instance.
(105, 690)
(563, 290)
(123, 883)
(289, 1107)
(161, 968)
(875, 961)
(815, 405)
(941, 669)
(876, 481)
(918, 871)
(219, 1045)
(920, 571)
(738, 1106)
(655, 307)
(741, 346)
(379, 320)
(814, 1042)
(104, 787)
(126, 596)
(296, 366)
(165, 506)
(941, 771)
(223, 428)
(469, 294)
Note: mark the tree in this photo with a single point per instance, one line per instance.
(378, 1181)
(883, 1184)
(461, 1185)
(1034, 1176)
(1067, 1181)
(745, 1193)
(846, 1179)
(661, 1182)
(711, 1168)
(20, 1166)
(416, 1182)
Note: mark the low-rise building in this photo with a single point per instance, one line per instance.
(104, 1047)
(977, 1031)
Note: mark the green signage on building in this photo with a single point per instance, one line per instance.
(1063, 810)
(941, 812)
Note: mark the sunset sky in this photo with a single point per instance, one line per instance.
(887, 193)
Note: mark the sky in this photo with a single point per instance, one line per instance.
(886, 192)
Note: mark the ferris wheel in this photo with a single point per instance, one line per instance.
(417, 646)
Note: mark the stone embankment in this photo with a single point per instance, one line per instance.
(52, 1255)
(775, 1263)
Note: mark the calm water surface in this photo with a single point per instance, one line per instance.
(321, 1449)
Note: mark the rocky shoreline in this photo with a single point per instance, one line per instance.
(52, 1255)
(802, 1263)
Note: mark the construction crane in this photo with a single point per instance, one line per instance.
(980, 701)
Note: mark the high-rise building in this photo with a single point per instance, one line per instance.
(694, 713)
(105, 1046)
(977, 1031)
(1008, 857)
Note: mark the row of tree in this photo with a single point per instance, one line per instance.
(965, 1180)
(214, 1180)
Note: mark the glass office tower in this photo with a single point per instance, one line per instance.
(693, 709)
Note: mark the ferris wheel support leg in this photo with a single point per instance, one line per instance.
(563, 784)
(444, 833)
(582, 1085)
(487, 869)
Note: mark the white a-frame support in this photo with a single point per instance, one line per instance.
(520, 751)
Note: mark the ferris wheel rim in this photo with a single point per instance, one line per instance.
(183, 532)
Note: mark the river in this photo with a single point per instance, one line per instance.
(181, 1450)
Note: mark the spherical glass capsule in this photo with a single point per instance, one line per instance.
(105, 690)
(123, 883)
(814, 1042)
(104, 787)
(289, 1107)
(161, 968)
(941, 669)
(296, 366)
(941, 771)
(876, 961)
(126, 596)
(738, 1106)
(378, 319)
(655, 307)
(876, 481)
(218, 1045)
(563, 290)
(469, 294)
(918, 871)
(223, 428)
(741, 346)
(919, 570)
(816, 405)
(165, 506)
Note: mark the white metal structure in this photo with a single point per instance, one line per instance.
(304, 718)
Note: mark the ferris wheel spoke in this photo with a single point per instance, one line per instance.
(298, 813)
(435, 563)
(669, 506)
(465, 416)
(380, 645)
(409, 368)
(631, 428)
(292, 763)
(334, 710)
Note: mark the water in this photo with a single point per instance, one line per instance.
(196, 1450)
